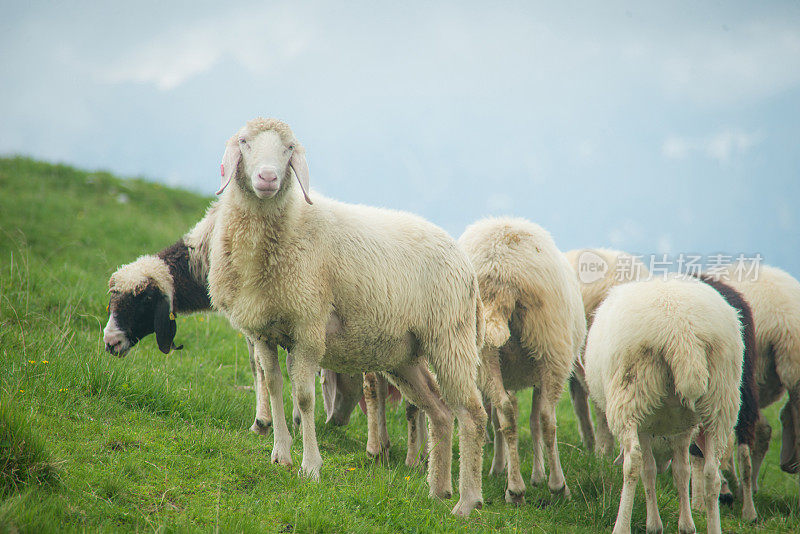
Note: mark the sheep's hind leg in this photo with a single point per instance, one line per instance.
(580, 404)
(631, 469)
(711, 482)
(263, 421)
(418, 385)
(746, 484)
(654, 525)
(504, 409)
(557, 483)
(268, 359)
(763, 436)
(460, 352)
(303, 378)
(604, 439)
(680, 474)
(698, 482)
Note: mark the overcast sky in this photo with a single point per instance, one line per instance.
(651, 127)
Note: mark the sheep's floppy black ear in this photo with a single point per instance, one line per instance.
(790, 453)
(164, 325)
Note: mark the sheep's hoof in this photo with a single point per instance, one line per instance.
(562, 492)
(464, 506)
(261, 427)
(311, 473)
(497, 470)
(381, 455)
(281, 458)
(749, 516)
(726, 499)
(659, 529)
(514, 497)
(687, 530)
(441, 494)
(537, 479)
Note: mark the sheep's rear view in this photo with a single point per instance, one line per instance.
(535, 329)
(663, 358)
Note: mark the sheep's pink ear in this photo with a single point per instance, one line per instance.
(230, 162)
(300, 168)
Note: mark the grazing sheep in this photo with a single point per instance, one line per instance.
(774, 298)
(598, 270)
(147, 294)
(348, 288)
(745, 428)
(535, 328)
(664, 357)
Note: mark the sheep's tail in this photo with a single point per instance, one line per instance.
(498, 308)
(687, 358)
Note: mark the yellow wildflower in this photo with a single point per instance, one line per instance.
(351, 468)
(45, 361)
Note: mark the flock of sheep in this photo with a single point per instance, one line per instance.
(676, 366)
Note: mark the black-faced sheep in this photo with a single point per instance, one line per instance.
(348, 288)
(745, 428)
(535, 328)
(664, 358)
(774, 298)
(148, 293)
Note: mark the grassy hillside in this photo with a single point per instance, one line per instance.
(160, 443)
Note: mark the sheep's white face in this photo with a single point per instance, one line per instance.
(265, 161)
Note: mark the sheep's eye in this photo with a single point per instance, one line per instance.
(291, 147)
(242, 140)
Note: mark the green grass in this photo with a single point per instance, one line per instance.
(160, 443)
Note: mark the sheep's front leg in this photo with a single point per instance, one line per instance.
(604, 439)
(263, 421)
(375, 389)
(303, 372)
(417, 434)
(580, 404)
(499, 454)
(295, 407)
(268, 359)
(698, 482)
(538, 473)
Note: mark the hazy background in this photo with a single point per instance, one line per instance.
(650, 127)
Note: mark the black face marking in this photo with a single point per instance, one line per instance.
(135, 314)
